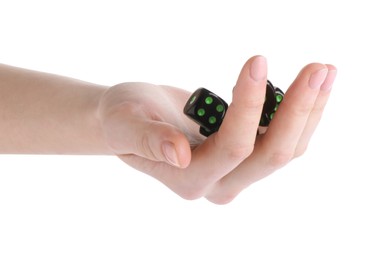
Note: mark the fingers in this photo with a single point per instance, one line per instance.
(234, 141)
(239, 128)
(282, 137)
(315, 115)
(290, 130)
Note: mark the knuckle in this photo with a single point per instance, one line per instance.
(302, 109)
(239, 153)
(234, 151)
(280, 159)
(300, 151)
(222, 194)
(222, 199)
(253, 103)
(318, 108)
(144, 146)
(251, 106)
(191, 193)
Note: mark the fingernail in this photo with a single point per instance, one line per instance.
(170, 153)
(317, 78)
(328, 82)
(257, 68)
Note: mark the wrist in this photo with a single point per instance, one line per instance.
(93, 130)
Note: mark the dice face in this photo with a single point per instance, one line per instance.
(207, 109)
(273, 98)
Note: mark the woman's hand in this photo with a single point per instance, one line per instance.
(144, 125)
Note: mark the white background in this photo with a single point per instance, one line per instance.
(332, 203)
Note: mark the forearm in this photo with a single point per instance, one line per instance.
(42, 113)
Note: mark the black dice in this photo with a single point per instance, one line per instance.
(208, 110)
(273, 98)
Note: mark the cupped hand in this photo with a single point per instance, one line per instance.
(144, 125)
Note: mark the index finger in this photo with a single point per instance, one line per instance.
(239, 128)
(235, 140)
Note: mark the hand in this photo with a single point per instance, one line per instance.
(144, 125)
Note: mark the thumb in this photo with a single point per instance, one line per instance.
(152, 140)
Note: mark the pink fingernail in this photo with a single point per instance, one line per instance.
(317, 78)
(327, 85)
(257, 68)
(170, 153)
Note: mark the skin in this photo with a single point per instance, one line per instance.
(143, 124)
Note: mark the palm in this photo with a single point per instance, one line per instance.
(143, 101)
